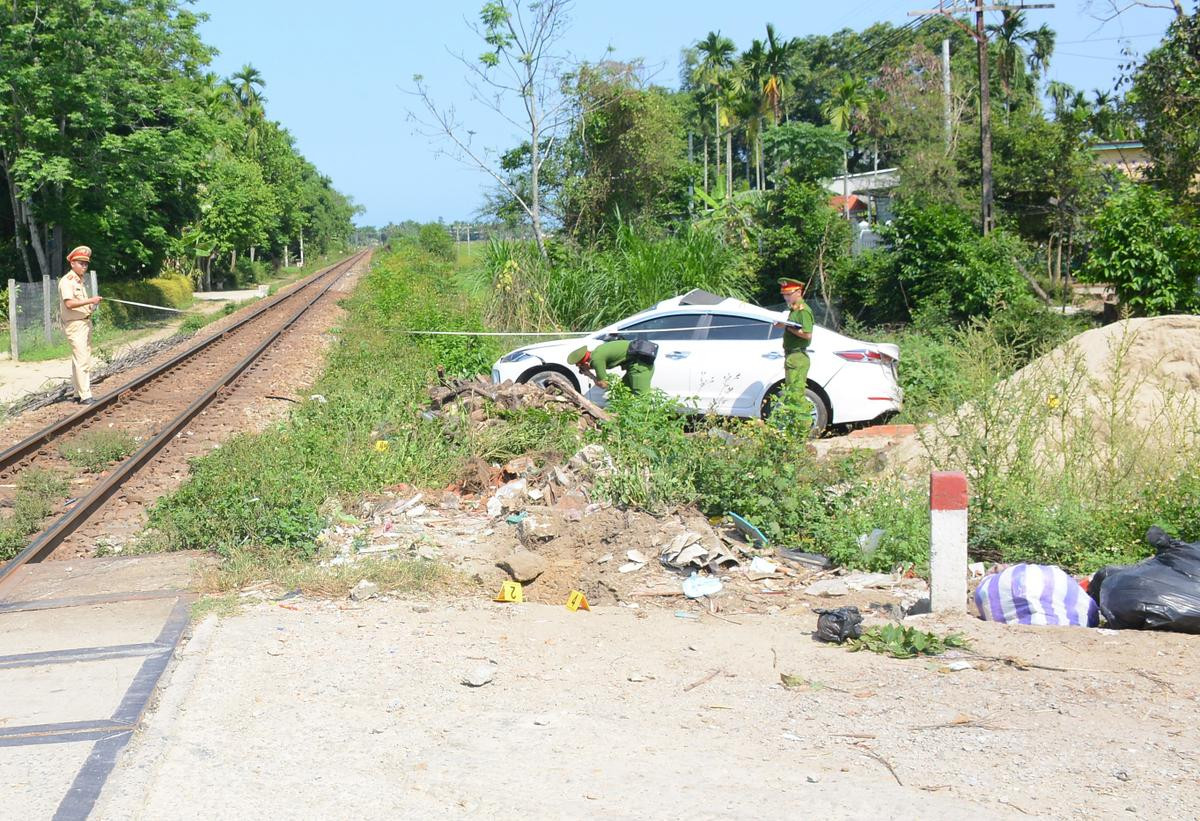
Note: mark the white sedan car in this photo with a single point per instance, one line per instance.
(721, 355)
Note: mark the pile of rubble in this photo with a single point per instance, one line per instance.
(473, 396)
(538, 523)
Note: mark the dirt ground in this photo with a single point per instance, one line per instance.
(340, 709)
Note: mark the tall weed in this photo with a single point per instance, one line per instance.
(583, 290)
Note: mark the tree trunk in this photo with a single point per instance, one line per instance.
(705, 163)
(846, 184)
(535, 167)
(717, 144)
(35, 238)
(729, 164)
(18, 228)
(985, 125)
(301, 249)
(233, 260)
(252, 253)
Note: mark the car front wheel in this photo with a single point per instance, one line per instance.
(542, 378)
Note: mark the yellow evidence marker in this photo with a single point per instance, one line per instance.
(577, 601)
(512, 592)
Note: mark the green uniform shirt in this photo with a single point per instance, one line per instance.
(802, 315)
(615, 354)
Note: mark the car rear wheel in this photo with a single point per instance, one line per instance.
(820, 415)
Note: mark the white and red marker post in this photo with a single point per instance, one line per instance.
(947, 542)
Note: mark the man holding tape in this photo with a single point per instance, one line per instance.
(797, 334)
(76, 311)
(636, 357)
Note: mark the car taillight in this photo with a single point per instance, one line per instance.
(863, 356)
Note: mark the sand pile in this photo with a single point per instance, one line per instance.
(1125, 396)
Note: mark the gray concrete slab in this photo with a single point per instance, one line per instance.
(99, 625)
(33, 780)
(53, 580)
(56, 693)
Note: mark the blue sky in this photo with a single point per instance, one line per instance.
(337, 73)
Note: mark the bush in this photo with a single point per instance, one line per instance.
(938, 269)
(1143, 246)
(435, 240)
(170, 290)
(250, 273)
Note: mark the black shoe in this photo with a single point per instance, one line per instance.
(88, 401)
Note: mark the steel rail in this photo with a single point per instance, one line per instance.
(51, 537)
(35, 442)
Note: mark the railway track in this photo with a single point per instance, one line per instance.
(154, 408)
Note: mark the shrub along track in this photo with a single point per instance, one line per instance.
(179, 409)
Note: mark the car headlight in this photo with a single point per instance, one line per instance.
(517, 356)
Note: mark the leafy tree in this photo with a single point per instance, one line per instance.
(807, 153)
(803, 236)
(937, 269)
(95, 118)
(1148, 249)
(520, 70)
(1165, 96)
(627, 153)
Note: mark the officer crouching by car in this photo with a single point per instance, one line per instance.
(636, 356)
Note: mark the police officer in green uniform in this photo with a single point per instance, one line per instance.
(614, 354)
(797, 334)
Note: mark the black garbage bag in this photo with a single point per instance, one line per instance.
(839, 624)
(1159, 593)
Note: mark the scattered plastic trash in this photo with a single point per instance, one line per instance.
(318, 398)
(813, 560)
(688, 551)
(637, 560)
(761, 565)
(868, 543)
(516, 518)
(838, 624)
(977, 570)
(1034, 594)
(695, 586)
(1159, 593)
(687, 615)
(752, 533)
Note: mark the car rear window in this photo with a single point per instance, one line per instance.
(666, 328)
(724, 327)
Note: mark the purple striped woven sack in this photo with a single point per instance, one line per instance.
(1035, 594)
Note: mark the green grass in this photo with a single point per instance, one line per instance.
(38, 493)
(94, 450)
(265, 493)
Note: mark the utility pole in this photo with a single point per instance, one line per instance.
(951, 9)
(946, 93)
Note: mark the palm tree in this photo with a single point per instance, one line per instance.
(1042, 48)
(247, 84)
(847, 103)
(1059, 92)
(777, 66)
(753, 102)
(1009, 34)
(246, 87)
(712, 72)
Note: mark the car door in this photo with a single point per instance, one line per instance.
(740, 358)
(677, 336)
